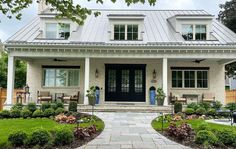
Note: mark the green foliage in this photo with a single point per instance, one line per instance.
(189, 111)
(160, 96)
(37, 113)
(45, 106)
(5, 114)
(20, 71)
(32, 107)
(226, 137)
(193, 105)
(17, 138)
(72, 106)
(203, 126)
(205, 105)
(205, 136)
(39, 137)
(25, 113)
(217, 105)
(57, 105)
(177, 107)
(231, 106)
(17, 106)
(59, 111)
(200, 111)
(167, 118)
(211, 112)
(63, 136)
(48, 112)
(15, 113)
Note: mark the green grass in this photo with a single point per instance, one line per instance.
(8, 126)
(194, 124)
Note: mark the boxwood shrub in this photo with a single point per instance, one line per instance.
(193, 105)
(17, 106)
(48, 112)
(63, 136)
(226, 137)
(5, 114)
(73, 106)
(37, 113)
(59, 111)
(17, 138)
(205, 136)
(200, 111)
(211, 112)
(189, 111)
(39, 137)
(32, 107)
(25, 113)
(15, 113)
(177, 107)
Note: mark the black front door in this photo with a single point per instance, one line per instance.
(125, 82)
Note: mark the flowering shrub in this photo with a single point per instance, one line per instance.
(82, 133)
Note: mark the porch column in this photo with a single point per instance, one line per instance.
(10, 80)
(164, 79)
(86, 79)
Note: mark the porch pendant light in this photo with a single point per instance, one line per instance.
(96, 73)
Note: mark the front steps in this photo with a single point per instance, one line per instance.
(125, 108)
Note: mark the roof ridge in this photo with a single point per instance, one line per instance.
(113, 9)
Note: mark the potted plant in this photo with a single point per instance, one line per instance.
(91, 94)
(160, 97)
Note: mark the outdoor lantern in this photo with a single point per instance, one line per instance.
(96, 73)
(26, 88)
(154, 74)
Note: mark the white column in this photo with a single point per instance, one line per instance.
(86, 79)
(165, 81)
(10, 80)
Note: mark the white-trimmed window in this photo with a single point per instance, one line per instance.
(189, 78)
(126, 32)
(57, 31)
(60, 77)
(194, 31)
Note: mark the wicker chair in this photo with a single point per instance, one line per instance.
(177, 98)
(71, 98)
(208, 97)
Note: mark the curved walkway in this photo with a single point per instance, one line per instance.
(129, 130)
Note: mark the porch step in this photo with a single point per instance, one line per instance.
(125, 108)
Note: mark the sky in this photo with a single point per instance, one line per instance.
(10, 26)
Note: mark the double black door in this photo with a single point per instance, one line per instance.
(125, 82)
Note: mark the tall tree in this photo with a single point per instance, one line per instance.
(65, 8)
(20, 72)
(227, 15)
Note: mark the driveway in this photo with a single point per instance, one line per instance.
(129, 130)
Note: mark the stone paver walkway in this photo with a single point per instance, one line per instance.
(129, 130)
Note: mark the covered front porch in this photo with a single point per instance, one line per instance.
(161, 72)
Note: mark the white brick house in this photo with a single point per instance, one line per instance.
(124, 52)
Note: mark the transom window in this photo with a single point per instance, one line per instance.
(57, 30)
(126, 32)
(190, 78)
(60, 77)
(194, 32)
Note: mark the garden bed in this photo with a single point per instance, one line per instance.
(47, 126)
(192, 127)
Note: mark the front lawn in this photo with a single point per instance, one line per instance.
(7, 126)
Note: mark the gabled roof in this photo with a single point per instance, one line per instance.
(156, 30)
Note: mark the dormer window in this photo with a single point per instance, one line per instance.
(126, 32)
(194, 32)
(57, 31)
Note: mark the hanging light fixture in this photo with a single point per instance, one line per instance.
(154, 74)
(96, 73)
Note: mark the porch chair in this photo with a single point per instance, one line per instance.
(44, 96)
(208, 97)
(71, 98)
(177, 98)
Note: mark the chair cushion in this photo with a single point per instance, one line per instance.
(181, 99)
(208, 99)
(66, 98)
(45, 98)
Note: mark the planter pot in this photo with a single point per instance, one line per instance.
(92, 101)
(160, 102)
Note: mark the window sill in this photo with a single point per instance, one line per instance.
(73, 87)
(173, 88)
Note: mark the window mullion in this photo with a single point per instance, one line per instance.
(126, 28)
(183, 81)
(195, 72)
